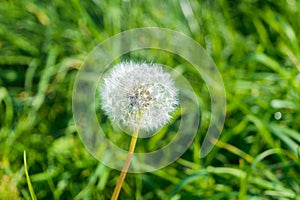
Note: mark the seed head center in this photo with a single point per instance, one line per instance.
(139, 98)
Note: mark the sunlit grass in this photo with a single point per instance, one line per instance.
(255, 45)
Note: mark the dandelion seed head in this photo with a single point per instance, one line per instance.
(139, 96)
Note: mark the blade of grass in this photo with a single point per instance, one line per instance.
(31, 191)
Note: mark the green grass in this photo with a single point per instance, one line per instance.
(31, 190)
(255, 45)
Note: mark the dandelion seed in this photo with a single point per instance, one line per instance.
(139, 96)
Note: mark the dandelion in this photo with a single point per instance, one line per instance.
(138, 96)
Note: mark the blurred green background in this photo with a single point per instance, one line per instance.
(255, 46)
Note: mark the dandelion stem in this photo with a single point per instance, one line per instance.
(126, 166)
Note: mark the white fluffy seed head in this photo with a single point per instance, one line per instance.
(139, 96)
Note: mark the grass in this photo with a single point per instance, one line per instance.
(31, 190)
(255, 45)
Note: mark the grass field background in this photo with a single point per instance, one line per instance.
(255, 45)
